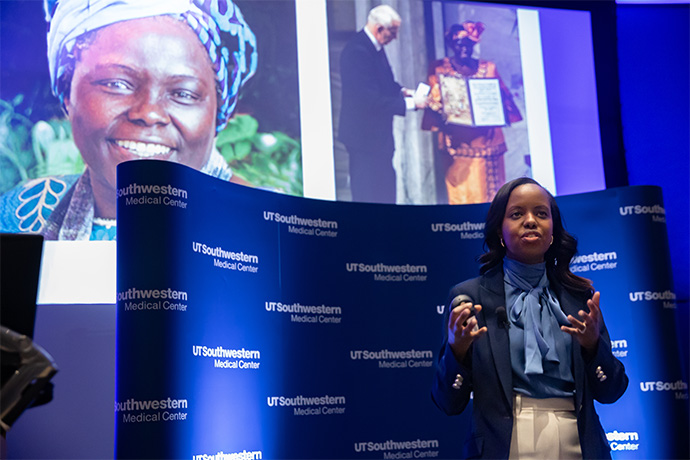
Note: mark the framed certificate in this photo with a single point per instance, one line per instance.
(472, 101)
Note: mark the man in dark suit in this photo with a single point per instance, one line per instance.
(370, 99)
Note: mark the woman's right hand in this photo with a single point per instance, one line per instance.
(461, 331)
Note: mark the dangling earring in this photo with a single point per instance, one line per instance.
(551, 240)
(502, 244)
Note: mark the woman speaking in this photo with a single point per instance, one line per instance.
(528, 340)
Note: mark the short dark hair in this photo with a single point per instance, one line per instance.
(557, 257)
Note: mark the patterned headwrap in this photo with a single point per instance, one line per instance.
(469, 29)
(219, 24)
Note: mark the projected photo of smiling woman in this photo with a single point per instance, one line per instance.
(138, 79)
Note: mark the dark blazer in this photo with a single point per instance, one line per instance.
(487, 372)
(370, 97)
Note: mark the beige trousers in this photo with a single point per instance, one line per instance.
(544, 429)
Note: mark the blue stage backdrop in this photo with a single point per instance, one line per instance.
(254, 325)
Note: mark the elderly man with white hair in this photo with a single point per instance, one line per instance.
(370, 99)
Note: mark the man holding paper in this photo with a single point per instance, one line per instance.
(468, 105)
(370, 99)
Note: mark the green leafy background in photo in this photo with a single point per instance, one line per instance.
(268, 160)
(29, 150)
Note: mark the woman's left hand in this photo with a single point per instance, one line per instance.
(586, 329)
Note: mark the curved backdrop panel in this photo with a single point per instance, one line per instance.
(257, 325)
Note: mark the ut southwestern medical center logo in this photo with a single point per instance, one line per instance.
(240, 455)
(395, 450)
(390, 272)
(619, 348)
(667, 297)
(228, 259)
(623, 440)
(679, 387)
(322, 314)
(228, 358)
(310, 405)
(468, 230)
(594, 261)
(656, 211)
(134, 299)
(152, 194)
(304, 226)
(395, 359)
(151, 410)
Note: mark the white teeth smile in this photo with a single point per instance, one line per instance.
(144, 149)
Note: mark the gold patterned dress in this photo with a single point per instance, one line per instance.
(477, 168)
